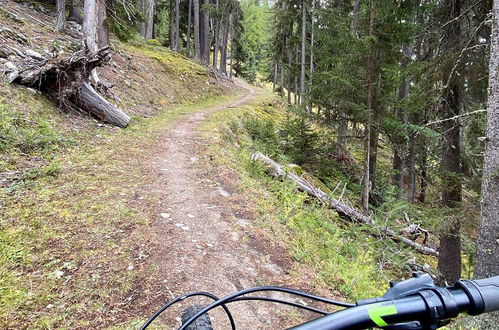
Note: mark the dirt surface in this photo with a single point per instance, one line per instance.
(205, 243)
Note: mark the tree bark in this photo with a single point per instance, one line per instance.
(303, 49)
(216, 33)
(487, 249)
(177, 26)
(225, 40)
(449, 261)
(60, 9)
(75, 11)
(197, 37)
(205, 33)
(147, 27)
(90, 24)
(189, 27)
(487, 256)
(102, 30)
(366, 182)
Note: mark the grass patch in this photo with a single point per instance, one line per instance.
(75, 234)
(344, 258)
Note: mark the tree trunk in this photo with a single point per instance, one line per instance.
(216, 44)
(342, 128)
(147, 27)
(90, 24)
(400, 145)
(75, 11)
(102, 30)
(60, 9)
(189, 26)
(171, 25)
(197, 37)
(205, 33)
(373, 155)
(487, 250)
(411, 169)
(290, 61)
(366, 183)
(231, 50)
(312, 40)
(274, 81)
(177, 26)
(487, 262)
(303, 54)
(91, 101)
(223, 60)
(449, 261)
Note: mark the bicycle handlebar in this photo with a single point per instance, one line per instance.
(429, 305)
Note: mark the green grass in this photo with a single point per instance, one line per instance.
(344, 258)
(71, 230)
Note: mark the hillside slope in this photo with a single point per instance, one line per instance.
(75, 230)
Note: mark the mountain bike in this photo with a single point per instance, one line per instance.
(416, 303)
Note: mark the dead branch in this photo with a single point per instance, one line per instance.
(343, 209)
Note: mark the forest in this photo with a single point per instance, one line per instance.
(365, 135)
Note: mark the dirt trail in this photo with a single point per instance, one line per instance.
(204, 245)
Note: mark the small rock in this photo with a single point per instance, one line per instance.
(130, 267)
(58, 274)
(31, 53)
(165, 215)
(209, 244)
(190, 216)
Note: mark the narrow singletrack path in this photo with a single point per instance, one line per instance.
(203, 245)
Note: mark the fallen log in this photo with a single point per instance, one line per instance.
(281, 173)
(67, 81)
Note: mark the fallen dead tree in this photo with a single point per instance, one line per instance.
(281, 173)
(67, 81)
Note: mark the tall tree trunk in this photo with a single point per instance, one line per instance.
(400, 144)
(216, 33)
(411, 168)
(342, 128)
(197, 36)
(281, 88)
(90, 24)
(366, 184)
(312, 40)
(189, 26)
(231, 32)
(102, 30)
(303, 54)
(223, 59)
(205, 33)
(171, 25)
(424, 174)
(487, 250)
(75, 11)
(177, 26)
(60, 8)
(147, 27)
(449, 259)
(274, 81)
(289, 76)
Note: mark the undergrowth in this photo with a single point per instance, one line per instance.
(346, 257)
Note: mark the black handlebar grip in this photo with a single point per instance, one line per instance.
(483, 294)
(489, 289)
